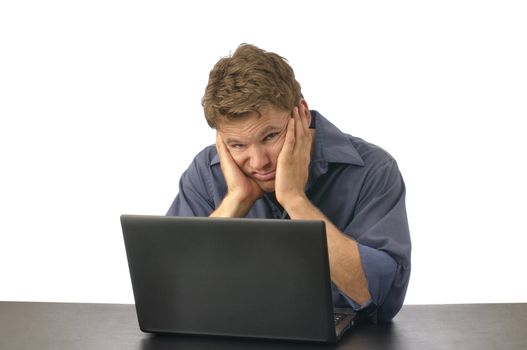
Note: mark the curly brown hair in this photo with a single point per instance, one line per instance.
(246, 81)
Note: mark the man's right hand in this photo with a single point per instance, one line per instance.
(242, 191)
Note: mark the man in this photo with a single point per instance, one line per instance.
(274, 158)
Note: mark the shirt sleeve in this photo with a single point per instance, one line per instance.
(380, 227)
(194, 197)
(379, 269)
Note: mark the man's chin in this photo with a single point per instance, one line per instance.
(266, 186)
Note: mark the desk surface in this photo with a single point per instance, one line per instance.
(46, 326)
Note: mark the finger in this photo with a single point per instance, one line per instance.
(301, 131)
(289, 142)
(303, 127)
(303, 116)
(298, 125)
(220, 146)
(294, 113)
(223, 152)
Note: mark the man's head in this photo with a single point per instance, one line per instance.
(245, 82)
(249, 100)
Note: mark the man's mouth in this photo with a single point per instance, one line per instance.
(264, 176)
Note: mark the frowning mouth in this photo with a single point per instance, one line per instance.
(264, 176)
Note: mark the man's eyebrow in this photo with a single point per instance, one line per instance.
(269, 129)
(229, 140)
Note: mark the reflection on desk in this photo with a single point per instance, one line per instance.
(377, 339)
(114, 326)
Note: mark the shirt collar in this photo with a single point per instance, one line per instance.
(215, 160)
(331, 144)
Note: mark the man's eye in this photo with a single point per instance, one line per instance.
(236, 146)
(270, 136)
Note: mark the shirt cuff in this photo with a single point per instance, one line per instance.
(357, 307)
(380, 269)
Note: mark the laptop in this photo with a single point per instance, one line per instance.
(253, 278)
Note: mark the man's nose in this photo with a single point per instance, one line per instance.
(259, 159)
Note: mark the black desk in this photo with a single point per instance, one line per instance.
(46, 326)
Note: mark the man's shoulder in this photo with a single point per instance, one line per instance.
(206, 157)
(339, 146)
(371, 154)
(200, 167)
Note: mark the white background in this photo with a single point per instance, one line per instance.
(100, 114)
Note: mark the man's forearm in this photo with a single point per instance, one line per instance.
(233, 207)
(344, 256)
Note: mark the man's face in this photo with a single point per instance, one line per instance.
(255, 142)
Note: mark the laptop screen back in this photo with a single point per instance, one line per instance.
(258, 278)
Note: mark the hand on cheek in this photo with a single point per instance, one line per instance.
(293, 162)
(239, 186)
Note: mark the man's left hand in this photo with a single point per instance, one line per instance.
(293, 162)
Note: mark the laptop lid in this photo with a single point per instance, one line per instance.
(259, 278)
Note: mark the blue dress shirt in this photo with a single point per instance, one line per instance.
(357, 186)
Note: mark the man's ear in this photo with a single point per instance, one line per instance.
(307, 113)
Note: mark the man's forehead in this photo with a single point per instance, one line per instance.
(253, 125)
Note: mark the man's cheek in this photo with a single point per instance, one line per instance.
(239, 160)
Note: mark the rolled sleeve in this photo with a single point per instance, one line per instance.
(380, 227)
(380, 270)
